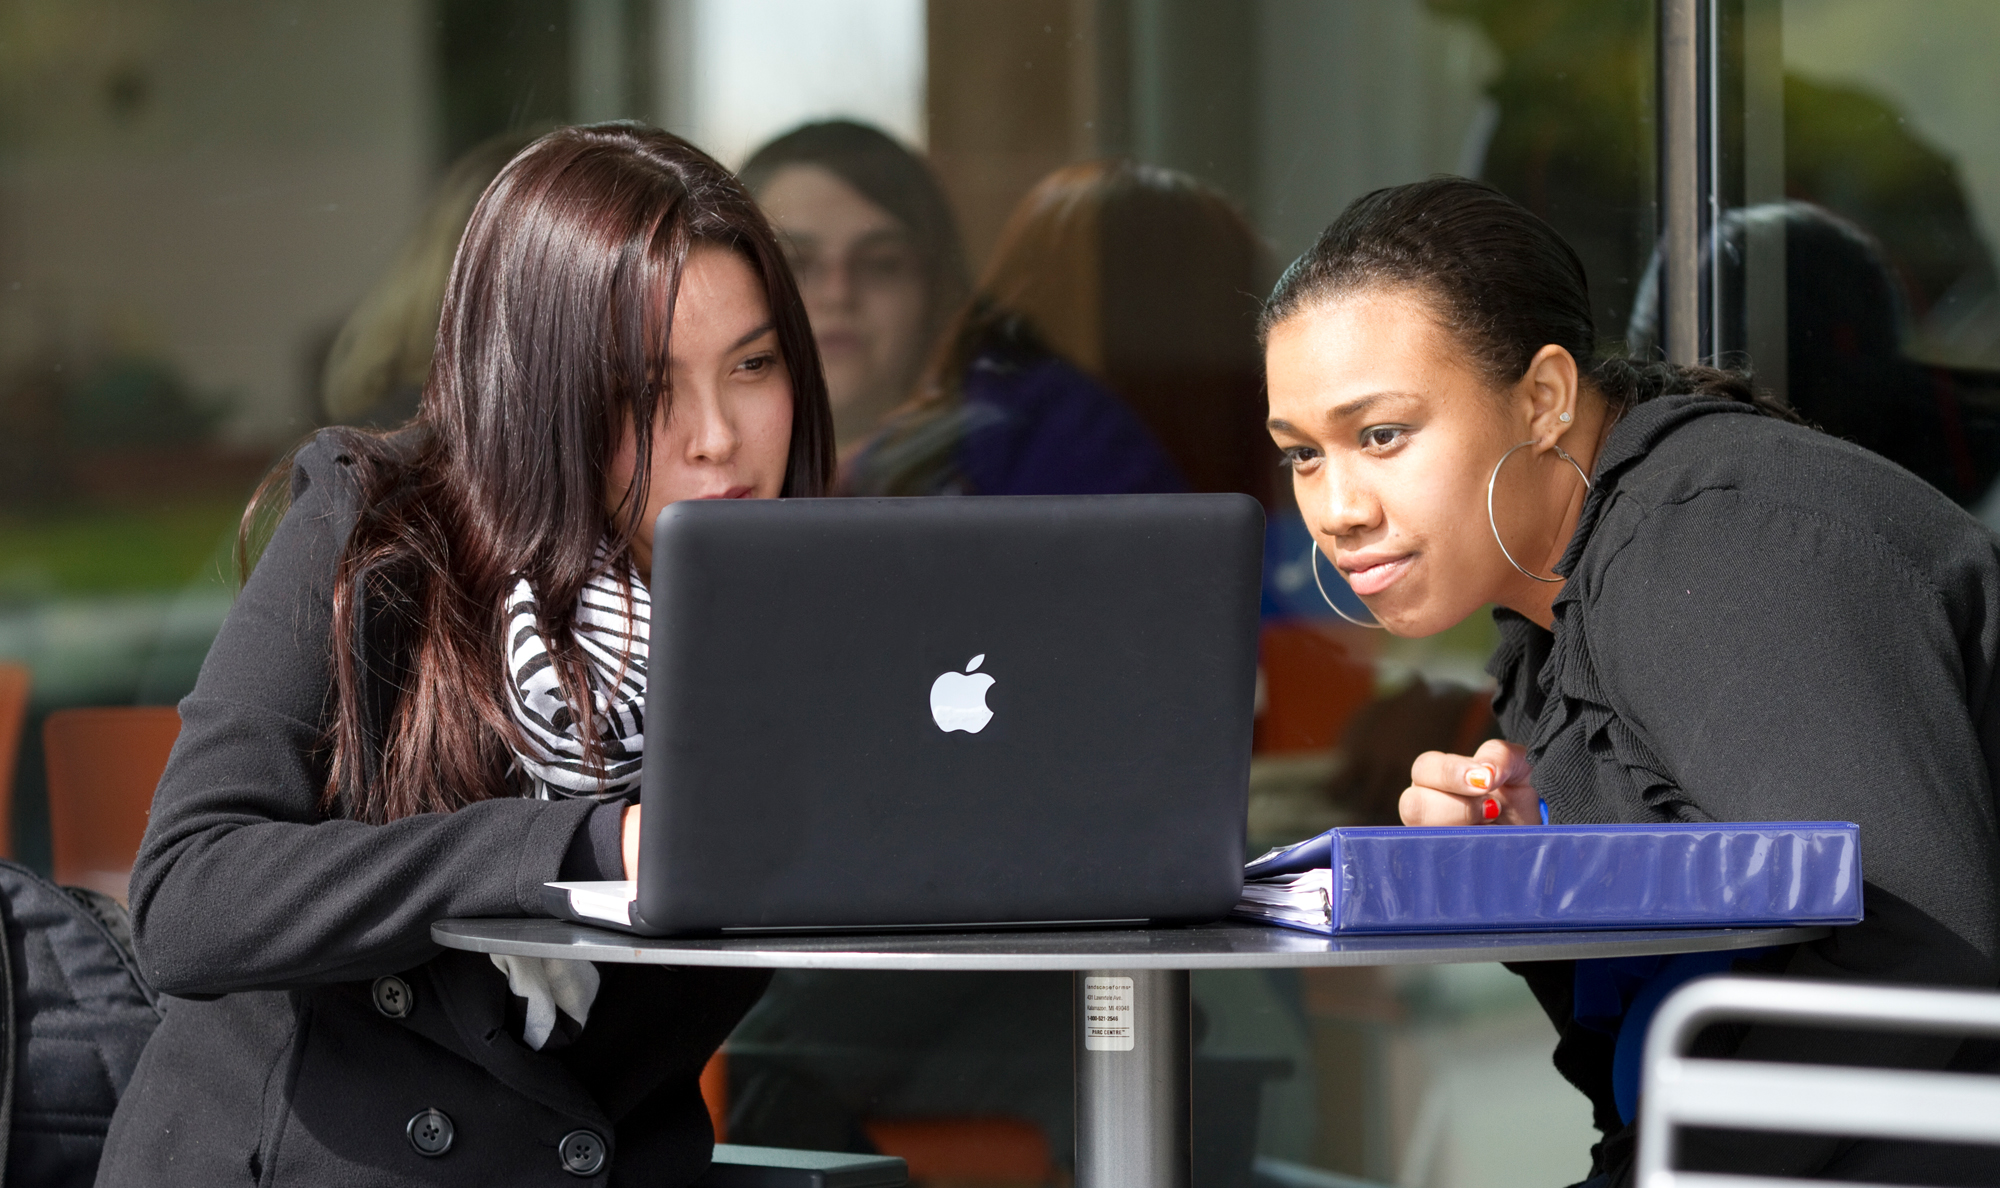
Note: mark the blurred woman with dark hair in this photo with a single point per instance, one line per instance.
(427, 703)
(377, 364)
(1110, 347)
(1845, 361)
(877, 254)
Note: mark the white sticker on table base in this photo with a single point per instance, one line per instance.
(1107, 1020)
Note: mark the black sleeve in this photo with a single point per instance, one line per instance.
(597, 852)
(242, 881)
(1780, 666)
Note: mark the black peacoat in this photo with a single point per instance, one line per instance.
(315, 1035)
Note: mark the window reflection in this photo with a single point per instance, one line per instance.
(1880, 136)
(224, 223)
(1851, 365)
(376, 365)
(1108, 349)
(875, 247)
(1569, 132)
(1884, 125)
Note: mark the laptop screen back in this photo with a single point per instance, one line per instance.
(868, 713)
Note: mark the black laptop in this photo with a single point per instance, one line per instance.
(971, 712)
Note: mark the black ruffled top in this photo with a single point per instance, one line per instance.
(1765, 623)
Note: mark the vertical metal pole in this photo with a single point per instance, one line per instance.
(1134, 1092)
(1682, 166)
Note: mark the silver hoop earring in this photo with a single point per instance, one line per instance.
(1495, 524)
(1312, 559)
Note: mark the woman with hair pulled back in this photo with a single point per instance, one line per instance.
(427, 702)
(1708, 612)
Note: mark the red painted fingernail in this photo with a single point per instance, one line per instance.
(1490, 809)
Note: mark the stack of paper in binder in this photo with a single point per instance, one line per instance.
(1534, 878)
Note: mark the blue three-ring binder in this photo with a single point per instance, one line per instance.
(1534, 878)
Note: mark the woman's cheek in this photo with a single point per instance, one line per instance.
(776, 434)
(1309, 484)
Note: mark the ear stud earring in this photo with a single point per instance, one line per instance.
(1564, 418)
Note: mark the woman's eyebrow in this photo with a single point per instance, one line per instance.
(1338, 413)
(753, 336)
(1361, 404)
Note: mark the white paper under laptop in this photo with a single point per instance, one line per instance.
(610, 901)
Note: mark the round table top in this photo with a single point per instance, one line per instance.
(1227, 945)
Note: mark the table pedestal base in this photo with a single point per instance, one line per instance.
(1134, 1093)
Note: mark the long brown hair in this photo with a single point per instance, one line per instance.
(1146, 279)
(553, 338)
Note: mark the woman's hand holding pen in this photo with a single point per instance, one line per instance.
(1490, 787)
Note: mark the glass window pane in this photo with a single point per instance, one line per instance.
(1861, 243)
(1033, 237)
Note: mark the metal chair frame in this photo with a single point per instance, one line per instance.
(1680, 1090)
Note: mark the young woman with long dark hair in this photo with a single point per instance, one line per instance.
(1708, 612)
(427, 703)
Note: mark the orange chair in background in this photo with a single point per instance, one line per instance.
(1000, 1152)
(715, 1094)
(1314, 681)
(103, 765)
(14, 682)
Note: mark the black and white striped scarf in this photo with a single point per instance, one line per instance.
(613, 624)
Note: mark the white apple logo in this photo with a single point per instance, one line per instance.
(958, 699)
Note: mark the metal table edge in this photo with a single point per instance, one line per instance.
(1233, 946)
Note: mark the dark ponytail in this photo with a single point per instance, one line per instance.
(1625, 382)
(1499, 279)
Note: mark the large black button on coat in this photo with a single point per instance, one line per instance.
(582, 1153)
(392, 996)
(430, 1132)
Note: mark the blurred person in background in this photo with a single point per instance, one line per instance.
(877, 255)
(375, 372)
(1109, 348)
(1847, 366)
